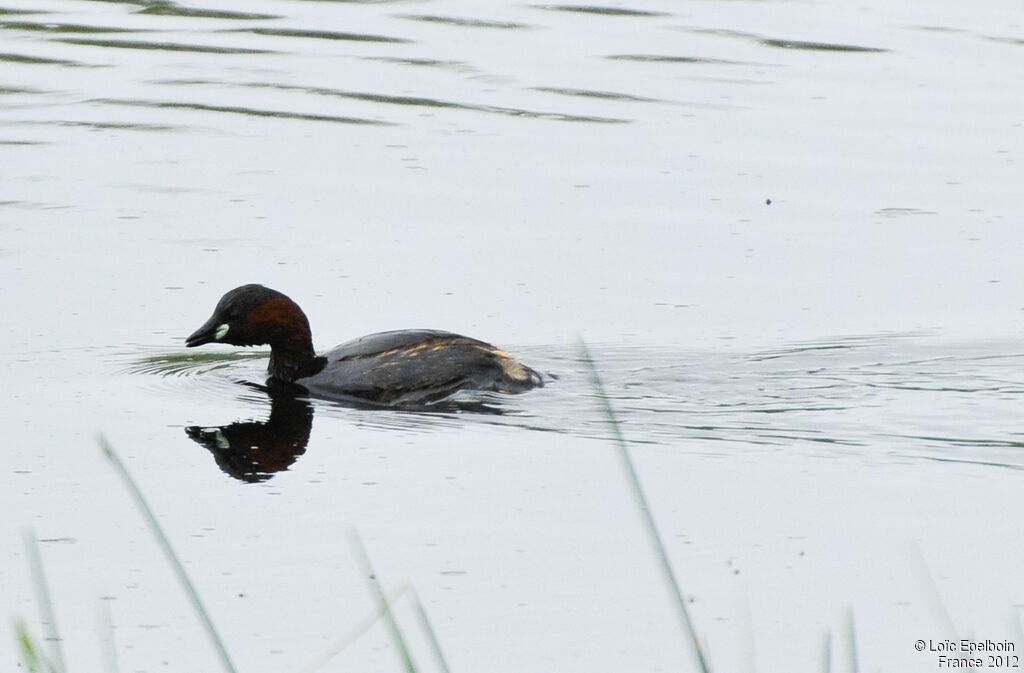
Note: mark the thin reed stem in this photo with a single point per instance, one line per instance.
(46, 612)
(851, 638)
(172, 558)
(645, 512)
(435, 645)
(356, 632)
(382, 602)
(107, 645)
(31, 654)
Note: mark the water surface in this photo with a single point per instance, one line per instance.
(786, 230)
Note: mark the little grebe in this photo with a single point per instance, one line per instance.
(405, 367)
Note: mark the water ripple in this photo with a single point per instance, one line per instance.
(164, 46)
(321, 35)
(185, 363)
(818, 46)
(778, 43)
(232, 109)
(41, 60)
(105, 126)
(604, 11)
(464, 22)
(601, 95)
(173, 9)
(49, 27)
(423, 62)
(413, 101)
(888, 393)
(660, 58)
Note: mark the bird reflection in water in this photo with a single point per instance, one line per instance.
(253, 451)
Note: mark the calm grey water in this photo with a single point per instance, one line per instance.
(788, 232)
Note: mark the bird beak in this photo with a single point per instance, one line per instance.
(212, 330)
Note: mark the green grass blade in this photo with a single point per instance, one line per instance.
(356, 632)
(379, 611)
(32, 656)
(382, 602)
(826, 653)
(640, 499)
(746, 643)
(49, 620)
(933, 598)
(106, 628)
(851, 639)
(931, 595)
(168, 551)
(421, 614)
